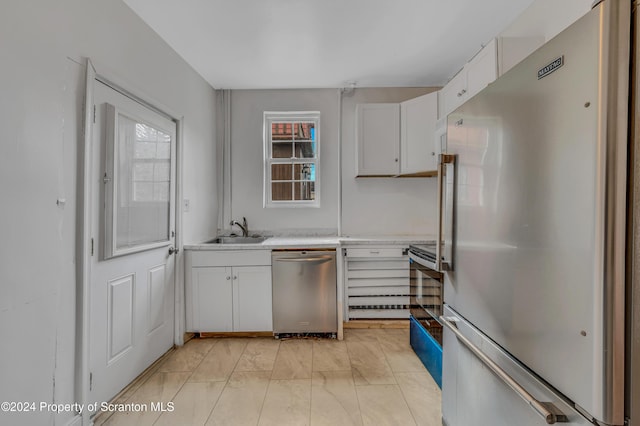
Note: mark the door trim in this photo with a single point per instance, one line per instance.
(84, 242)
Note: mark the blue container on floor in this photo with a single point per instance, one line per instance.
(427, 349)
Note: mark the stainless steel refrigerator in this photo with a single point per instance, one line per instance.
(535, 228)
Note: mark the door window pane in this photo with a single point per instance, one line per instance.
(141, 184)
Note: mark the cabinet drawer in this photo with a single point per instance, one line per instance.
(230, 258)
(375, 252)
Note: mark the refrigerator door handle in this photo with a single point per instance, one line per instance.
(547, 410)
(446, 181)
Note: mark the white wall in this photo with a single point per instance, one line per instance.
(547, 18)
(382, 206)
(42, 46)
(247, 108)
(371, 206)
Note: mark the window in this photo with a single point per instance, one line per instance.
(292, 159)
(140, 157)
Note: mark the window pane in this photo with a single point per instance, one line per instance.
(281, 172)
(281, 131)
(305, 191)
(161, 191)
(162, 171)
(305, 171)
(305, 150)
(281, 191)
(143, 171)
(304, 131)
(282, 150)
(164, 148)
(142, 182)
(142, 191)
(145, 149)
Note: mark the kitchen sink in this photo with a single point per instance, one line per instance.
(237, 240)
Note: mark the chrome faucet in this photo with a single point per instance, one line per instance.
(243, 226)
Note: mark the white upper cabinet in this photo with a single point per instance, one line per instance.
(378, 139)
(452, 94)
(397, 139)
(481, 70)
(418, 124)
(496, 58)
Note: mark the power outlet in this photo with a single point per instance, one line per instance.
(186, 205)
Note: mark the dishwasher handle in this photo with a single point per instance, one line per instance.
(320, 259)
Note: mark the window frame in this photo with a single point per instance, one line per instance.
(269, 118)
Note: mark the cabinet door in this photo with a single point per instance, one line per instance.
(212, 299)
(418, 120)
(453, 94)
(378, 139)
(252, 298)
(482, 69)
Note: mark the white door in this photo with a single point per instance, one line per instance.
(132, 266)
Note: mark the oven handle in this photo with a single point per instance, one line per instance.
(420, 261)
(547, 410)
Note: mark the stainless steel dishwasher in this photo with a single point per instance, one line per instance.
(304, 292)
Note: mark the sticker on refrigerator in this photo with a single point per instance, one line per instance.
(551, 67)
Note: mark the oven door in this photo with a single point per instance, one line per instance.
(426, 295)
(426, 307)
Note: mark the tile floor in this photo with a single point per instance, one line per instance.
(372, 377)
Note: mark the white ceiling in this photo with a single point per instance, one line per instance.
(246, 44)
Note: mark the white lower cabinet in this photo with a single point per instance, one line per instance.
(212, 299)
(228, 291)
(252, 298)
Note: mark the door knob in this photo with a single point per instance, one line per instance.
(173, 251)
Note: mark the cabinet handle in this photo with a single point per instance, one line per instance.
(235, 277)
(433, 153)
(228, 278)
(374, 252)
(462, 92)
(396, 160)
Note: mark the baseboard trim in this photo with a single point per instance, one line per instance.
(399, 323)
(205, 335)
(128, 390)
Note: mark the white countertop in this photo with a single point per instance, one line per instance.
(281, 242)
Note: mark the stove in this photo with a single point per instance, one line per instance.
(426, 307)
